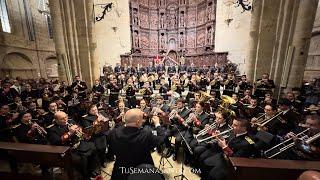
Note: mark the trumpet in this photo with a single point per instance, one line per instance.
(173, 113)
(289, 143)
(78, 133)
(189, 119)
(206, 130)
(41, 131)
(213, 139)
(126, 87)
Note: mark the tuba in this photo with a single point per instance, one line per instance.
(204, 96)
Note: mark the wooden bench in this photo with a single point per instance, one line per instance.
(269, 169)
(47, 155)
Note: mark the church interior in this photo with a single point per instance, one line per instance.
(160, 89)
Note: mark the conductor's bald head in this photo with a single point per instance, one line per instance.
(133, 117)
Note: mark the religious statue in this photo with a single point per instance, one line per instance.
(209, 36)
(136, 40)
(182, 20)
(209, 11)
(135, 18)
(162, 21)
(162, 43)
(181, 40)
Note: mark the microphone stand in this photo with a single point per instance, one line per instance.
(190, 151)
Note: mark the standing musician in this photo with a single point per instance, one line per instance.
(132, 145)
(80, 85)
(244, 85)
(118, 69)
(171, 72)
(29, 132)
(160, 71)
(229, 85)
(114, 91)
(130, 93)
(91, 119)
(263, 86)
(238, 144)
(216, 83)
(131, 71)
(182, 69)
(193, 87)
(192, 70)
(151, 70)
(164, 88)
(67, 133)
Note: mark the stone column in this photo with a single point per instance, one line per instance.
(95, 65)
(58, 37)
(301, 41)
(253, 39)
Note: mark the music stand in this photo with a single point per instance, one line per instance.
(164, 160)
(190, 151)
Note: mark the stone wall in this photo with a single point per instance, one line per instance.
(313, 63)
(18, 54)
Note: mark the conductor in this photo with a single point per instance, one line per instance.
(132, 145)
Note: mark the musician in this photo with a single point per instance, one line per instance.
(198, 122)
(92, 118)
(182, 113)
(237, 106)
(131, 71)
(182, 69)
(16, 88)
(253, 110)
(6, 120)
(17, 106)
(67, 133)
(6, 96)
(160, 104)
(203, 83)
(114, 92)
(238, 144)
(132, 145)
(229, 85)
(287, 121)
(263, 86)
(97, 89)
(141, 70)
(171, 71)
(131, 94)
(118, 69)
(147, 92)
(296, 104)
(246, 97)
(48, 117)
(214, 69)
(80, 85)
(161, 69)
(143, 79)
(164, 88)
(192, 70)
(29, 132)
(177, 86)
(214, 101)
(45, 95)
(144, 108)
(28, 93)
(119, 113)
(216, 83)
(193, 87)
(268, 100)
(204, 150)
(244, 85)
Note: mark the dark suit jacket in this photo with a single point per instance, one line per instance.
(132, 147)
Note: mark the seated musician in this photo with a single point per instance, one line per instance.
(119, 113)
(263, 86)
(93, 118)
(237, 106)
(97, 89)
(216, 83)
(238, 144)
(132, 145)
(147, 92)
(7, 119)
(146, 111)
(114, 87)
(296, 104)
(253, 110)
(205, 149)
(48, 117)
(193, 87)
(35, 113)
(203, 83)
(214, 101)
(307, 149)
(17, 106)
(162, 105)
(268, 100)
(80, 85)
(244, 85)
(181, 113)
(246, 97)
(67, 133)
(194, 122)
(229, 85)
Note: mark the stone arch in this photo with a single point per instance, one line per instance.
(16, 64)
(51, 65)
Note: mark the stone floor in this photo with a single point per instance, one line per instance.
(169, 173)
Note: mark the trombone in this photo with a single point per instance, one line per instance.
(287, 144)
(265, 121)
(213, 139)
